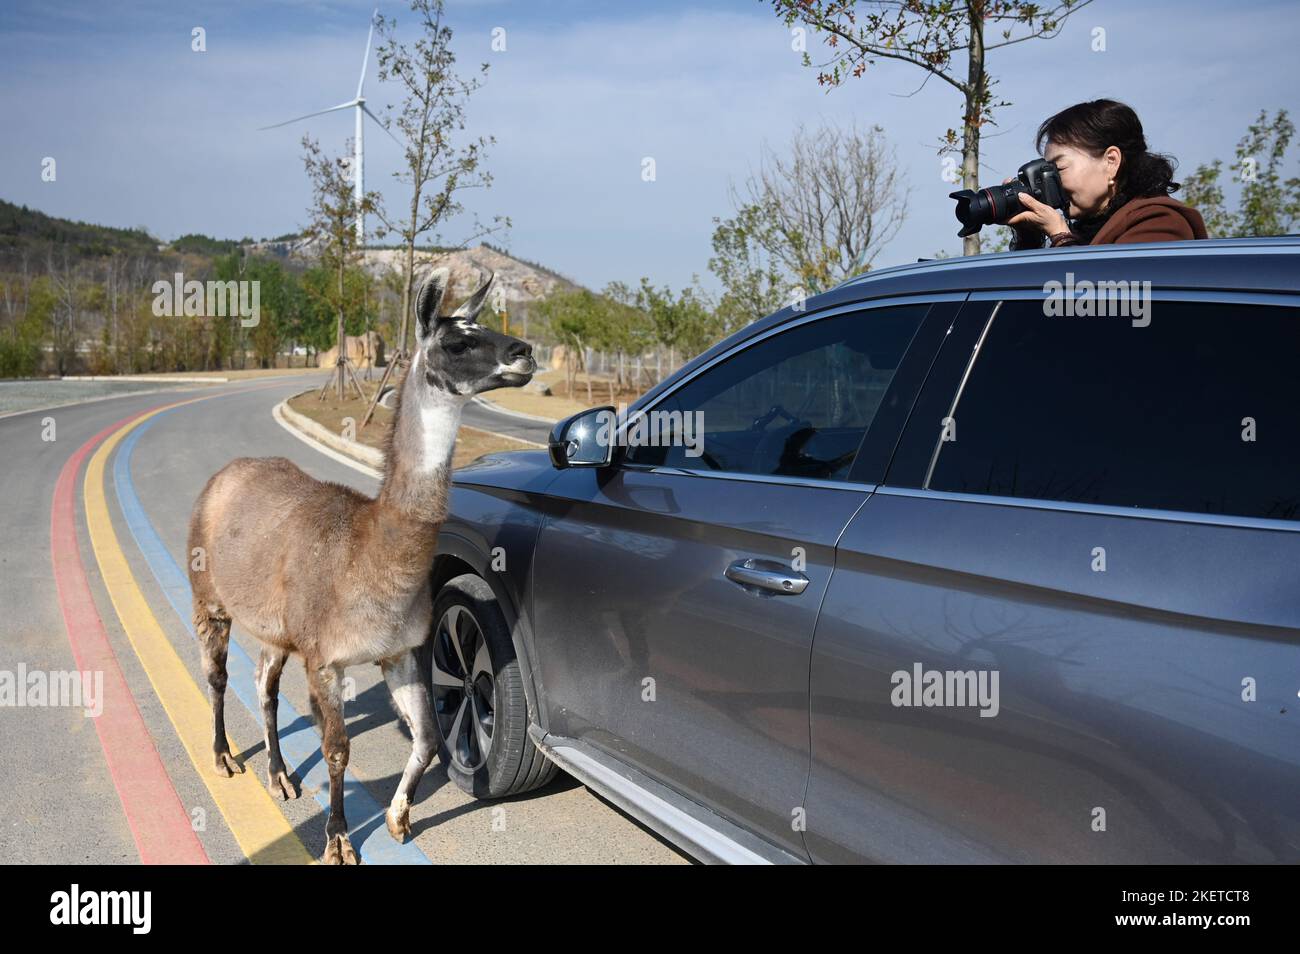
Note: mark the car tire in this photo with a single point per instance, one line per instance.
(490, 705)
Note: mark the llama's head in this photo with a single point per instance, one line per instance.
(457, 354)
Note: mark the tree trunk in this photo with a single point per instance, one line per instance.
(342, 348)
(417, 186)
(585, 365)
(975, 80)
(407, 285)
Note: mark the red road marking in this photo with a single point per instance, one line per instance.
(158, 821)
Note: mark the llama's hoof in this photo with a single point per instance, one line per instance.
(281, 786)
(399, 824)
(227, 766)
(338, 851)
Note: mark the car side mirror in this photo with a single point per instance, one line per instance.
(585, 439)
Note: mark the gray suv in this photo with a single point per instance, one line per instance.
(974, 560)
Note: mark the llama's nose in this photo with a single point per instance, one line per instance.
(520, 349)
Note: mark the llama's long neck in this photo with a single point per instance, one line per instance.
(417, 467)
(397, 537)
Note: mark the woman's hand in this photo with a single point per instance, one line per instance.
(1037, 218)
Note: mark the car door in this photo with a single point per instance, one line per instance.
(1067, 628)
(675, 594)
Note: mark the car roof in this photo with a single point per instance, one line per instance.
(1244, 264)
(1267, 264)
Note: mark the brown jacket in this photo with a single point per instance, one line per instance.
(1155, 219)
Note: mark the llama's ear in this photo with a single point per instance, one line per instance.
(429, 301)
(474, 303)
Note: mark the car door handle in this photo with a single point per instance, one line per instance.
(783, 581)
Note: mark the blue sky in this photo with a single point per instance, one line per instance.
(147, 132)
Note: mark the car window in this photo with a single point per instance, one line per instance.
(1197, 411)
(795, 404)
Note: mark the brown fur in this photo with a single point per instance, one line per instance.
(317, 569)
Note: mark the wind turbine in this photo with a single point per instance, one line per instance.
(358, 143)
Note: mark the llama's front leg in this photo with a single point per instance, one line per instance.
(269, 666)
(214, 641)
(402, 673)
(326, 686)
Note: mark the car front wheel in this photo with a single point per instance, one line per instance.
(478, 695)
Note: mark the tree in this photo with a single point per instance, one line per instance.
(626, 328)
(331, 230)
(816, 216)
(929, 35)
(833, 204)
(752, 282)
(65, 279)
(572, 319)
(677, 321)
(275, 300)
(431, 116)
(1268, 204)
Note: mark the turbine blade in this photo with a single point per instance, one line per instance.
(310, 115)
(381, 124)
(366, 59)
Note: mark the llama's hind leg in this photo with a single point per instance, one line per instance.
(269, 666)
(214, 641)
(402, 673)
(325, 685)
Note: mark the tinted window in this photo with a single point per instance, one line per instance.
(1096, 410)
(796, 404)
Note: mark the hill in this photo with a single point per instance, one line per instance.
(21, 227)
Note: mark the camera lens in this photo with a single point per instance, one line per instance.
(989, 206)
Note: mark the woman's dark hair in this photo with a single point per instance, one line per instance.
(1095, 126)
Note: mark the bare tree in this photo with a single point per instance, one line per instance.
(64, 277)
(436, 167)
(824, 210)
(929, 35)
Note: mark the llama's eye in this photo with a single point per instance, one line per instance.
(456, 347)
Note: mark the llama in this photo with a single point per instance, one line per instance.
(320, 570)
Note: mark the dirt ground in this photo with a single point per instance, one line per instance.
(560, 403)
(332, 413)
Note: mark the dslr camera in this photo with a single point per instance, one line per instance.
(996, 204)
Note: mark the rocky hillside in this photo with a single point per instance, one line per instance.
(520, 282)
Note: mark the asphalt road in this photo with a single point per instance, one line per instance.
(63, 798)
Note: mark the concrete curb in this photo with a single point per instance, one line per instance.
(150, 378)
(104, 397)
(367, 460)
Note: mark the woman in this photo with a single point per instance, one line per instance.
(1118, 191)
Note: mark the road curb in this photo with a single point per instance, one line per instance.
(103, 397)
(150, 378)
(368, 460)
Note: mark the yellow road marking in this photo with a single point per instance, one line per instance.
(263, 833)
